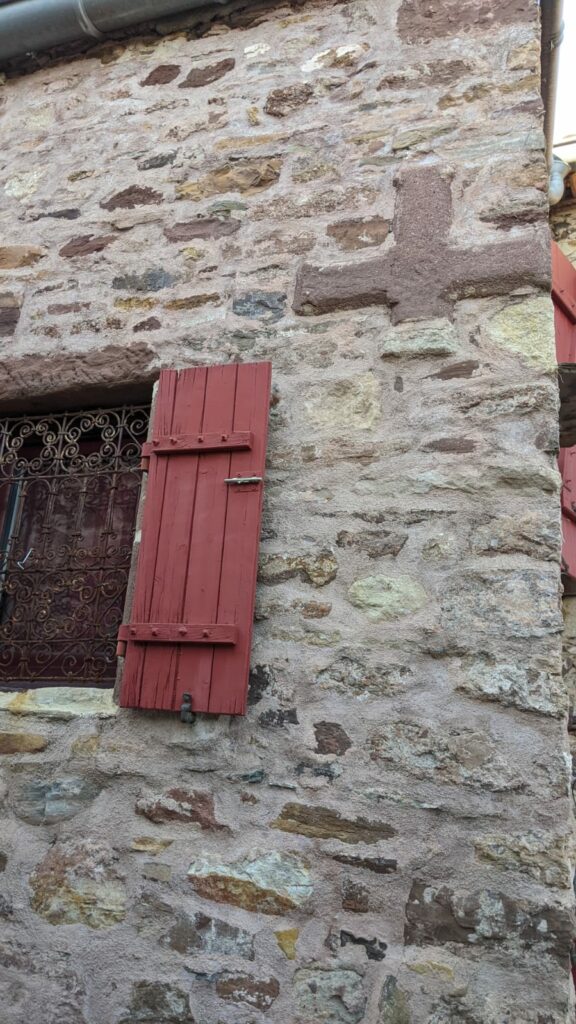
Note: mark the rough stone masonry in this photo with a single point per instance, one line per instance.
(356, 191)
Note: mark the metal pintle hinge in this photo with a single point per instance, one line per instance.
(186, 714)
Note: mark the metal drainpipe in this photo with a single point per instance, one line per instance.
(30, 26)
(552, 33)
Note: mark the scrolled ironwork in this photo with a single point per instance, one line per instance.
(69, 491)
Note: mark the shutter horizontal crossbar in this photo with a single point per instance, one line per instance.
(182, 444)
(563, 299)
(177, 633)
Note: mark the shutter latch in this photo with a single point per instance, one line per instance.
(186, 714)
(244, 480)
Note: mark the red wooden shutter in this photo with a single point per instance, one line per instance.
(564, 297)
(567, 467)
(192, 610)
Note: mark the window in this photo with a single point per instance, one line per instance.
(70, 489)
(69, 492)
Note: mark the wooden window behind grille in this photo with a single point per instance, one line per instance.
(69, 491)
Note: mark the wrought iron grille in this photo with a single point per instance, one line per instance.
(69, 490)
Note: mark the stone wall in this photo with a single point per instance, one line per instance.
(356, 191)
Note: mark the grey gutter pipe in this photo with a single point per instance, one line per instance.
(30, 26)
(552, 34)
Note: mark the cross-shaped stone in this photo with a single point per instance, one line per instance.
(424, 274)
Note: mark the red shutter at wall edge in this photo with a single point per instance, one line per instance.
(564, 298)
(567, 467)
(190, 626)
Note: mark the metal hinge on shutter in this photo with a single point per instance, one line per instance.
(190, 444)
(174, 633)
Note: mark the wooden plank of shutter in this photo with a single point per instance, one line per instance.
(199, 541)
(169, 546)
(207, 536)
(569, 547)
(567, 466)
(240, 553)
(131, 692)
(564, 297)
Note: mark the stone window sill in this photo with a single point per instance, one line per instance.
(64, 702)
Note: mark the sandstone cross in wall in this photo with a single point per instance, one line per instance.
(424, 274)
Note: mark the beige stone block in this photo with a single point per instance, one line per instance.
(525, 57)
(12, 257)
(514, 685)
(62, 702)
(22, 743)
(192, 253)
(157, 872)
(246, 176)
(431, 338)
(21, 186)
(432, 967)
(286, 939)
(86, 746)
(546, 858)
(526, 328)
(267, 883)
(326, 823)
(318, 568)
(388, 597)
(344, 56)
(77, 882)
(350, 404)
(150, 845)
(422, 133)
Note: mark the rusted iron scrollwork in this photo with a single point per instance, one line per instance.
(69, 490)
